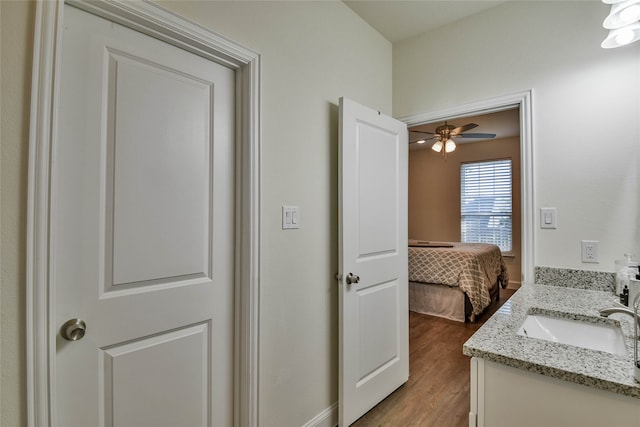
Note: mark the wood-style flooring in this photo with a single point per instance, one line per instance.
(437, 393)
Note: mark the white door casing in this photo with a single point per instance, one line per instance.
(147, 275)
(374, 343)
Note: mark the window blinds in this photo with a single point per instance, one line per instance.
(485, 203)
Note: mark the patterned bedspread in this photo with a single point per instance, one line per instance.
(474, 267)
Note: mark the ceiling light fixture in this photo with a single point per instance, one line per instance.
(622, 36)
(443, 136)
(449, 146)
(623, 23)
(622, 14)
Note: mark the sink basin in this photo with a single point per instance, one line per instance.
(595, 336)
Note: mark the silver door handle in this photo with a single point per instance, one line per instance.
(73, 329)
(352, 278)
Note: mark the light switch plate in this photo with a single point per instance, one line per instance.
(548, 218)
(290, 217)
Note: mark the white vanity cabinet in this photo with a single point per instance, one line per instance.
(511, 397)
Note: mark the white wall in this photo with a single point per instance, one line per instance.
(586, 108)
(16, 37)
(312, 53)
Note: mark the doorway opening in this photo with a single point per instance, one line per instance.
(522, 102)
(437, 202)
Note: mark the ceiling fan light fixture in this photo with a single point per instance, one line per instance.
(622, 36)
(631, 13)
(449, 146)
(437, 147)
(622, 14)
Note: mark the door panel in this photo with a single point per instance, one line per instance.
(374, 349)
(176, 205)
(377, 160)
(142, 224)
(379, 343)
(170, 370)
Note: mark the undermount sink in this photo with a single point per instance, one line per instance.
(595, 336)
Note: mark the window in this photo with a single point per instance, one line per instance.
(485, 203)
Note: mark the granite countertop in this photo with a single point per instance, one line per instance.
(497, 341)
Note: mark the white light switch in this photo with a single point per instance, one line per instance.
(290, 217)
(548, 218)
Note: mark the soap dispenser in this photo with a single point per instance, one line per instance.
(626, 269)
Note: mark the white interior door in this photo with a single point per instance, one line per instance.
(142, 231)
(374, 310)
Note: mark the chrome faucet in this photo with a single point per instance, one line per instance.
(606, 312)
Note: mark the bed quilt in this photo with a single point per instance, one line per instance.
(474, 267)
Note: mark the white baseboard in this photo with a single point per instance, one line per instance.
(513, 285)
(326, 418)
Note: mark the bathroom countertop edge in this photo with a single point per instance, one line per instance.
(498, 342)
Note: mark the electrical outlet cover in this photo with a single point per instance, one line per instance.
(590, 251)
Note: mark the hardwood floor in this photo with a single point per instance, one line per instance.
(437, 393)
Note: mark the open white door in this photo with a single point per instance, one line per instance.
(374, 331)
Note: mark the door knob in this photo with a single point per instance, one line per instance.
(73, 329)
(352, 278)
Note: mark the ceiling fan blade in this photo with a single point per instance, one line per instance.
(422, 139)
(475, 135)
(421, 131)
(464, 128)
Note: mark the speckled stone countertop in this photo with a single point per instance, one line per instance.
(498, 342)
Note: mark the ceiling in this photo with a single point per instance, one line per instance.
(397, 20)
(505, 124)
(400, 19)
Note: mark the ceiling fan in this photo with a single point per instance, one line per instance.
(443, 135)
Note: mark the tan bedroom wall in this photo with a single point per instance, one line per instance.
(434, 193)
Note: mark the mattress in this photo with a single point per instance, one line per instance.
(473, 267)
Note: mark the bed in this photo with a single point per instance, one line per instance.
(454, 280)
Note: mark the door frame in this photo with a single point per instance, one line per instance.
(524, 101)
(167, 26)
